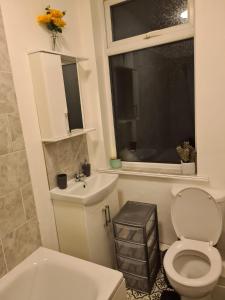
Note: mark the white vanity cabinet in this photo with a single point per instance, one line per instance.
(86, 231)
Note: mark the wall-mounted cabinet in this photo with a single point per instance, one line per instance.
(57, 94)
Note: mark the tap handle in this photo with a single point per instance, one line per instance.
(76, 176)
(81, 174)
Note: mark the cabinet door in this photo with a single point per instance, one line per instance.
(113, 202)
(112, 206)
(48, 84)
(71, 229)
(97, 230)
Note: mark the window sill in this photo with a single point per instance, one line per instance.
(163, 175)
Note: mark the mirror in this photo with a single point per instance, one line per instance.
(72, 92)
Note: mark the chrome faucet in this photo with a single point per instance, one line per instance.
(80, 177)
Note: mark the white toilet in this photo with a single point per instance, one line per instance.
(193, 265)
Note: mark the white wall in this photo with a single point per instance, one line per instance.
(24, 34)
(90, 86)
(210, 107)
(210, 89)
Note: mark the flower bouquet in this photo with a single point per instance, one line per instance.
(53, 19)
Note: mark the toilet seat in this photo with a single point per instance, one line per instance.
(191, 221)
(197, 247)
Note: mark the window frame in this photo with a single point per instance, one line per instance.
(177, 33)
(148, 35)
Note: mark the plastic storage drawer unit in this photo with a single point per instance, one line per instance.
(137, 244)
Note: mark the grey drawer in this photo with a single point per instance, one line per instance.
(142, 284)
(132, 233)
(137, 283)
(132, 266)
(136, 251)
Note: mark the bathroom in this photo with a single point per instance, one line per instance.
(29, 166)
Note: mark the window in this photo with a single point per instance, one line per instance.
(141, 16)
(152, 84)
(130, 18)
(153, 101)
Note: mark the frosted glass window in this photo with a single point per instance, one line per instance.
(134, 17)
(153, 101)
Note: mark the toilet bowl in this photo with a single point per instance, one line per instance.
(193, 268)
(193, 265)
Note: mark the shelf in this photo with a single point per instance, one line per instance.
(67, 58)
(75, 132)
(193, 178)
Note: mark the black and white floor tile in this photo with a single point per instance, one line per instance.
(157, 290)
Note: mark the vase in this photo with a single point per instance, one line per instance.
(188, 168)
(54, 40)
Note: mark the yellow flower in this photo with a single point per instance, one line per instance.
(44, 19)
(56, 13)
(58, 22)
(53, 18)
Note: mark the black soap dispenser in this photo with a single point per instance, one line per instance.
(86, 168)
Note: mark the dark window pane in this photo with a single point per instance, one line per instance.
(153, 101)
(136, 17)
(72, 96)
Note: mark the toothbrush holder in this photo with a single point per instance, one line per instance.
(61, 181)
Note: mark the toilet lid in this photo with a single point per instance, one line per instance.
(195, 215)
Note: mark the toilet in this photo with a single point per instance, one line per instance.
(192, 264)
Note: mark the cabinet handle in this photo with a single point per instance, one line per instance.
(105, 214)
(109, 216)
(66, 114)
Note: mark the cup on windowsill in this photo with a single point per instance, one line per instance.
(115, 163)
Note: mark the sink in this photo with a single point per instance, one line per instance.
(95, 189)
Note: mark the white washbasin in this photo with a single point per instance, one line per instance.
(97, 187)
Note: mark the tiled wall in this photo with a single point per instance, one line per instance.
(19, 230)
(65, 157)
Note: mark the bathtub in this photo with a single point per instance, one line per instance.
(50, 275)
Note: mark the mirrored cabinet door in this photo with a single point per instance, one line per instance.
(72, 92)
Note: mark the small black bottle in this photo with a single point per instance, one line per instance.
(86, 168)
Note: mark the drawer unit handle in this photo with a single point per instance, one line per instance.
(109, 215)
